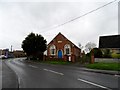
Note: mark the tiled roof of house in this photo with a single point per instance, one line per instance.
(112, 41)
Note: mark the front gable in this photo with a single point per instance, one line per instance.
(60, 46)
(58, 39)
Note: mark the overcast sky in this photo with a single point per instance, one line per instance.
(20, 17)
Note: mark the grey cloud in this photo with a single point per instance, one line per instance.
(21, 18)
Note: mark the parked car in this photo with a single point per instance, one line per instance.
(3, 57)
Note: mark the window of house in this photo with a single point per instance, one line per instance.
(67, 49)
(52, 49)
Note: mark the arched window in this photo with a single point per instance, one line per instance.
(67, 49)
(52, 50)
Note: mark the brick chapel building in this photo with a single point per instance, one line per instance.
(62, 48)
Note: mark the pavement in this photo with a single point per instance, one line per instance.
(102, 71)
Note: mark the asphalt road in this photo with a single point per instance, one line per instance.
(9, 77)
(34, 75)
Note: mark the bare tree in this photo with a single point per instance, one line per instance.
(89, 46)
(80, 46)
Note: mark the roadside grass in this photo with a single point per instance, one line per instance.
(60, 62)
(105, 66)
(57, 62)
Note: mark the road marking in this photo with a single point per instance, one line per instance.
(19, 82)
(53, 71)
(117, 75)
(94, 84)
(33, 66)
(9, 60)
(17, 62)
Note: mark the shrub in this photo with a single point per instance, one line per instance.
(115, 55)
(97, 53)
(85, 59)
(107, 53)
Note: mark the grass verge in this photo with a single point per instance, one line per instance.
(105, 66)
(53, 62)
(56, 62)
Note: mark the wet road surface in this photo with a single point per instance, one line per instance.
(36, 75)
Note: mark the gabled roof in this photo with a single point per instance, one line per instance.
(112, 41)
(65, 38)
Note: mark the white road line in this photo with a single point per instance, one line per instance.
(53, 71)
(33, 66)
(17, 62)
(94, 84)
(19, 82)
(117, 75)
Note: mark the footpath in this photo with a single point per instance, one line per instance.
(101, 71)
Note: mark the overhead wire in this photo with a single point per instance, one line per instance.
(51, 28)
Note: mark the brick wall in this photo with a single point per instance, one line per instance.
(60, 41)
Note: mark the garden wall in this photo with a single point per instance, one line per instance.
(107, 60)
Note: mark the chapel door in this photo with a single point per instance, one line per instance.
(59, 54)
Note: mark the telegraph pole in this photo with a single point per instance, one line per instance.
(11, 48)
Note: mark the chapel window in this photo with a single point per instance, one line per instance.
(67, 49)
(52, 50)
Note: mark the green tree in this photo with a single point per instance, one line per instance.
(34, 45)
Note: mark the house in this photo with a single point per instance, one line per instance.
(6, 53)
(18, 53)
(112, 41)
(62, 48)
(110, 47)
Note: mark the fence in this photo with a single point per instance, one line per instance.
(107, 60)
